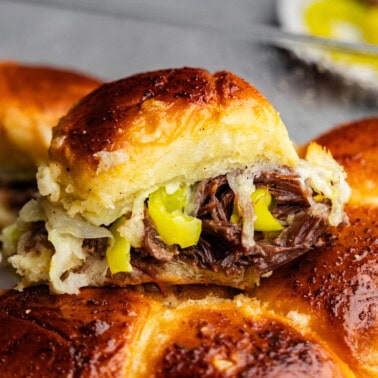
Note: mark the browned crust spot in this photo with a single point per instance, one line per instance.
(213, 344)
(104, 120)
(68, 335)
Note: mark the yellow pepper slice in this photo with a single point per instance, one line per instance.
(371, 26)
(323, 17)
(118, 253)
(265, 221)
(173, 226)
(235, 216)
(344, 19)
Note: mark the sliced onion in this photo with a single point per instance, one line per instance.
(58, 219)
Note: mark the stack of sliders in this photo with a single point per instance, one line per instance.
(32, 99)
(172, 178)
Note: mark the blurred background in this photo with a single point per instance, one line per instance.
(115, 38)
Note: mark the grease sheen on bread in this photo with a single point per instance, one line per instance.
(354, 145)
(113, 332)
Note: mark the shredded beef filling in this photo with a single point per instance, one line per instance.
(98, 246)
(153, 245)
(220, 247)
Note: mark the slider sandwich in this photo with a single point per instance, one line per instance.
(32, 99)
(174, 177)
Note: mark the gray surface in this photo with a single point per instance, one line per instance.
(112, 46)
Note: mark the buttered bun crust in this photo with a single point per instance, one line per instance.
(32, 99)
(354, 145)
(139, 133)
(113, 332)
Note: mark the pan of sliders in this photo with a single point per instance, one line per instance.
(177, 232)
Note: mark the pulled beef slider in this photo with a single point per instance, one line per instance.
(175, 176)
(32, 99)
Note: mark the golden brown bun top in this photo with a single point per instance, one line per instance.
(153, 128)
(113, 332)
(110, 118)
(66, 336)
(236, 339)
(355, 147)
(32, 99)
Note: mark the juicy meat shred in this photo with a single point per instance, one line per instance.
(220, 247)
(223, 231)
(285, 186)
(152, 243)
(98, 246)
(215, 199)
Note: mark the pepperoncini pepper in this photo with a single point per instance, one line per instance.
(118, 253)
(265, 221)
(172, 224)
(345, 20)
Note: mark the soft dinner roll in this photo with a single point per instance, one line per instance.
(32, 99)
(113, 332)
(141, 133)
(175, 176)
(220, 338)
(336, 286)
(354, 146)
